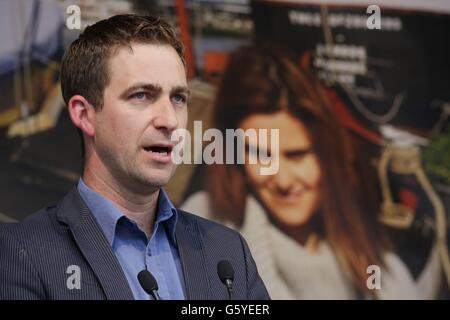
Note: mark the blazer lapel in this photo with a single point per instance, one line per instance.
(93, 244)
(193, 259)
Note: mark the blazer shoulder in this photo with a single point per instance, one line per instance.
(41, 222)
(20, 244)
(206, 225)
(215, 235)
(36, 234)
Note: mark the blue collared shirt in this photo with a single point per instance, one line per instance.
(132, 248)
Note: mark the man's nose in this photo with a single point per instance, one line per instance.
(165, 116)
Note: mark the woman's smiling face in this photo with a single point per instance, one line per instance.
(291, 195)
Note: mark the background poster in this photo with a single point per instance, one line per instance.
(390, 88)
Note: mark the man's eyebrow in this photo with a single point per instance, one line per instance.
(140, 86)
(180, 89)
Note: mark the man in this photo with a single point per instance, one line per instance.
(124, 82)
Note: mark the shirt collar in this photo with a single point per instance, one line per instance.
(107, 214)
(167, 212)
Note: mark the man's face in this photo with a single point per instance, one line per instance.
(144, 102)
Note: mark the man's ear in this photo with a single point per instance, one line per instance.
(82, 114)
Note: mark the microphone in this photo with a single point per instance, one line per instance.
(148, 283)
(226, 274)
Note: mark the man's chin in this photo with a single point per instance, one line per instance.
(155, 179)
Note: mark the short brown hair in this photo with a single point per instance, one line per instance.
(84, 68)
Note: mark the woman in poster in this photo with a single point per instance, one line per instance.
(310, 226)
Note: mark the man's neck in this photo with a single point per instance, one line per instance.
(138, 207)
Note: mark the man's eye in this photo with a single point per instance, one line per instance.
(139, 96)
(179, 99)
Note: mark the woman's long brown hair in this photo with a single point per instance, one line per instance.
(256, 79)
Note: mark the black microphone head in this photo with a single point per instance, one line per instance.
(147, 282)
(225, 271)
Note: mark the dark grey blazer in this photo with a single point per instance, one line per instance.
(35, 255)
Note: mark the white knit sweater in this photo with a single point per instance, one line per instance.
(290, 272)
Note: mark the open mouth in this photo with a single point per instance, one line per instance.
(162, 150)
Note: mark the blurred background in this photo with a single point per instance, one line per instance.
(389, 87)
